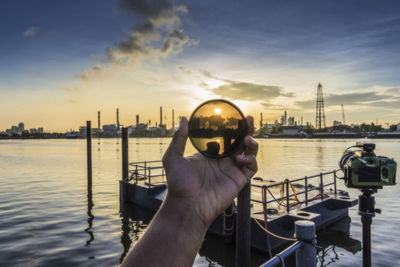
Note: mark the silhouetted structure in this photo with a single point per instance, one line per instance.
(118, 126)
(343, 118)
(320, 113)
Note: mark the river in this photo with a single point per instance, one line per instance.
(47, 218)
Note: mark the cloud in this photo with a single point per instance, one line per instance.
(375, 97)
(240, 90)
(31, 32)
(158, 36)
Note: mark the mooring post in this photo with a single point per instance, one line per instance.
(287, 196)
(306, 190)
(125, 157)
(334, 181)
(306, 254)
(321, 184)
(89, 152)
(243, 228)
(125, 169)
(228, 224)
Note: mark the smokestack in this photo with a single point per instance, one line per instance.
(173, 119)
(118, 119)
(261, 121)
(160, 116)
(137, 120)
(285, 120)
(98, 120)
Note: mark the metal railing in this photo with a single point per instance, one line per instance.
(153, 174)
(148, 171)
(305, 247)
(291, 183)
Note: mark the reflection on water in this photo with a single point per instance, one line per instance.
(48, 216)
(90, 215)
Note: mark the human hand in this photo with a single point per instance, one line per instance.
(203, 185)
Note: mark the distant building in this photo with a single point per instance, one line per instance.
(14, 129)
(156, 131)
(290, 130)
(40, 130)
(337, 123)
(21, 127)
(398, 127)
(140, 129)
(82, 131)
(110, 128)
(33, 131)
(268, 127)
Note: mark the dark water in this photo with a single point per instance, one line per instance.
(48, 217)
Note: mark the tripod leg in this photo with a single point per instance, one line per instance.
(366, 236)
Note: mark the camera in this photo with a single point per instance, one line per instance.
(363, 169)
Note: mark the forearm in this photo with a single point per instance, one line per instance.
(173, 238)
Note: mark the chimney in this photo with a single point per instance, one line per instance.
(285, 120)
(261, 121)
(173, 119)
(137, 120)
(98, 120)
(160, 116)
(118, 119)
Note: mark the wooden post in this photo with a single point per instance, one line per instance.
(123, 194)
(243, 228)
(125, 154)
(89, 152)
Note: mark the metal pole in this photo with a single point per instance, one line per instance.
(243, 228)
(123, 189)
(366, 238)
(334, 181)
(306, 254)
(306, 189)
(321, 186)
(228, 224)
(89, 152)
(125, 154)
(287, 196)
(265, 207)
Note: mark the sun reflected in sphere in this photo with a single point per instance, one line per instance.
(215, 133)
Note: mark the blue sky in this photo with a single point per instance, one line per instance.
(245, 51)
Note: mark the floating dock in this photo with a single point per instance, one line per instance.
(313, 198)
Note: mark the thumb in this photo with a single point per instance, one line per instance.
(177, 146)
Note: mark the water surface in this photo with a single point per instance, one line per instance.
(48, 218)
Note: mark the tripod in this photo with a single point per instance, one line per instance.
(366, 208)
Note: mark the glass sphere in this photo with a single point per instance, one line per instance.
(217, 128)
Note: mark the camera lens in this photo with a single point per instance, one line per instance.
(217, 128)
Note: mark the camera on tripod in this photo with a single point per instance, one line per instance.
(363, 169)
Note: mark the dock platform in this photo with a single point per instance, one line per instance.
(323, 204)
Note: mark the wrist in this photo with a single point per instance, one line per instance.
(185, 212)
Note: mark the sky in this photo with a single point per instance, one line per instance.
(62, 61)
